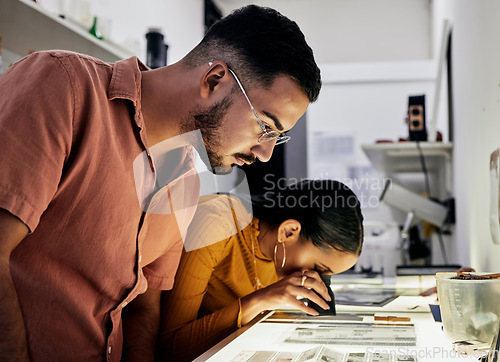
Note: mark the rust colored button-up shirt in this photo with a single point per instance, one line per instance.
(71, 136)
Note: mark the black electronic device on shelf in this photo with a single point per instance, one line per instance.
(416, 118)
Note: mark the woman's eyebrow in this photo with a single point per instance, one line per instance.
(327, 269)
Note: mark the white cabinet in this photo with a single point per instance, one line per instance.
(25, 27)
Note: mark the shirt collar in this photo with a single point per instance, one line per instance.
(126, 84)
(126, 81)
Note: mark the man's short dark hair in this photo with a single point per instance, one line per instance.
(260, 44)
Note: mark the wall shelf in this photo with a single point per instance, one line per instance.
(25, 27)
(403, 157)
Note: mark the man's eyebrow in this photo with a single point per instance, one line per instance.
(275, 119)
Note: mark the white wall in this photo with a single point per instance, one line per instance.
(357, 30)
(182, 22)
(476, 78)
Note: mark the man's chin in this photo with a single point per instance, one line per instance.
(222, 170)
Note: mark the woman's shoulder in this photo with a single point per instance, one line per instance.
(217, 218)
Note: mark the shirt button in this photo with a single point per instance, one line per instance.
(109, 349)
(124, 304)
(140, 258)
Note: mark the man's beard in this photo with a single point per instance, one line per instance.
(209, 122)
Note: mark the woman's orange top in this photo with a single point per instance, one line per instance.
(204, 305)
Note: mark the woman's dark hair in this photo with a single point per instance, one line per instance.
(260, 44)
(328, 211)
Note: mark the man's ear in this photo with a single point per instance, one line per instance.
(213, 78)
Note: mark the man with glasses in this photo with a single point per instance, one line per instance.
(94, 154)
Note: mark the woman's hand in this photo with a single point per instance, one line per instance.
(285, 293)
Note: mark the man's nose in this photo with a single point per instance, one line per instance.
(263, 151)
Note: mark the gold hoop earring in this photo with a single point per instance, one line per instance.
(284, 255)
(276, 252)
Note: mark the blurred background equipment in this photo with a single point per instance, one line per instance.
(156, 51)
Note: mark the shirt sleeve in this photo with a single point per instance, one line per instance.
(36, 126)
(183, 335)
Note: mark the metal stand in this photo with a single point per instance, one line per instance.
(405, 238)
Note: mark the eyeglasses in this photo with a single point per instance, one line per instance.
(267, 135)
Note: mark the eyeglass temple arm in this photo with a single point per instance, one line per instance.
(248, 100)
